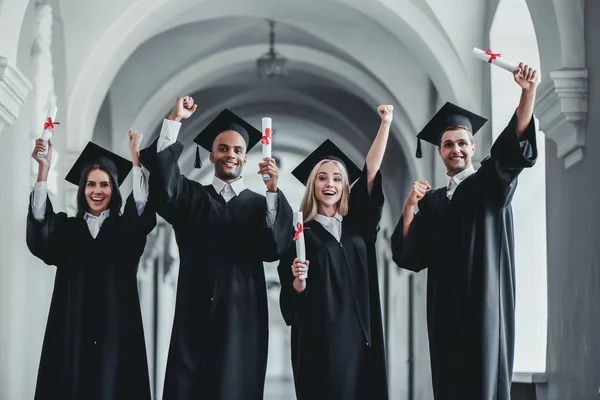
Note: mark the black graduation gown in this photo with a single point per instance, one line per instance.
(468, 245)
(337, 334)
(94, 342)
(220, 331)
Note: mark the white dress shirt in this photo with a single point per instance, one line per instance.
(228, 190)
(95, 223)
(168, 135)
(333, 224)
(140, 195)
(456, 180)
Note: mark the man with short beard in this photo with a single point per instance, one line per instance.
(224, 232)
(463, 234)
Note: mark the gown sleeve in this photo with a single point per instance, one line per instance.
(275, 239)
(48, 239)
(365, 209)
(409, 252)
(508, 157)
(135, 228)
(290, 301)
(174, 195)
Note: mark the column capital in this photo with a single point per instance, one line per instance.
(562, 109)
(14, 88)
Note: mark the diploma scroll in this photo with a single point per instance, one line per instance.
(494, 58)
(299, 239)
(266, 141)
(48, 129)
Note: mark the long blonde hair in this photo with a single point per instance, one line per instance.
(309, 202)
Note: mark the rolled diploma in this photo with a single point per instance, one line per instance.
(47, 133)
(266, 148)
(300, 248)
(499, 62)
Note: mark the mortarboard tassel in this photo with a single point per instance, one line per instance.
(419, 152)
(198, 162)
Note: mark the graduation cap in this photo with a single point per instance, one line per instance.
(326, 151)
(450, 114)
(117, 166)
(226, 121)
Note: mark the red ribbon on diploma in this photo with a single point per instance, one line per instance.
(492, 55)
(299, 230)
(50, 124)
(265, 139)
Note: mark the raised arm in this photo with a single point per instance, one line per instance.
(46, 237)
(375, 155)
(171, 191)
(140, 177)
(40, 192)
(516, 147)
(408, 239)
(528, 89)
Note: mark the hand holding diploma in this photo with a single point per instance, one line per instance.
(526, 77)
(300, 247)
(43, 161)
(268, 168)
(299, 269)
(49, 124)
(300, 265)
(495, 58)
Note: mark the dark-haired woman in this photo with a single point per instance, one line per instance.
(94, 342)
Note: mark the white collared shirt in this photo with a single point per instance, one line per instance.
(95, 223)
(333, 224)
(228, 190)
(456, 180)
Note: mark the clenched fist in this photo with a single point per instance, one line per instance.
(183, 109)
(386, 112)
(135, 139)
(417, 192)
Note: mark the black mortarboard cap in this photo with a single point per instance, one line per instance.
(117, 166)
(326, 151)
(225, 121)
(450, 114)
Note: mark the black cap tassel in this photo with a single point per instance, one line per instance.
(198, 162)
(419, 152)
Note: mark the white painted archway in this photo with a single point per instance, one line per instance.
(102, 64)
(213, 69)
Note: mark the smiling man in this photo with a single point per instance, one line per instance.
(463, 234)
(224, 232)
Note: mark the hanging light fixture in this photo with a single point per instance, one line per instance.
(271, 64)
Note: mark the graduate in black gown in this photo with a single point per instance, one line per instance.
(335, 312)
(94, 343)
(224, 232)
(463, 235)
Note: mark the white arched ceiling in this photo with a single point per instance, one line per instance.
(346, 76)
(233, 61)
(374, 45)
(288, 98)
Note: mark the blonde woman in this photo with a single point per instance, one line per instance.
(335, 314)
